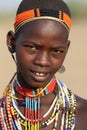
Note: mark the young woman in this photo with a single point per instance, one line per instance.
(34, 98)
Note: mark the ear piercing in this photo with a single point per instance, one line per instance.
(62, 69)
(10, 49)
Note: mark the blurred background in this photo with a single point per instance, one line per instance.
(75, 75)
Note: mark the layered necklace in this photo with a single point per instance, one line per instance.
(11, 118)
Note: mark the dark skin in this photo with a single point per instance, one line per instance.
(41, 47)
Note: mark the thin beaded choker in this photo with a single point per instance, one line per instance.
(11, 117)
(38, 92)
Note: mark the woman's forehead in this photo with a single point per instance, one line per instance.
(43, 24)
(45, 30)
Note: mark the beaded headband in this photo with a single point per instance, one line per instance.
(35, 14)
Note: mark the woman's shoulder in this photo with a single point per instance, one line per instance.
(81, 113)
(81, 104)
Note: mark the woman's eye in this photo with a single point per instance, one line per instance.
(58, 51)
(31, 47)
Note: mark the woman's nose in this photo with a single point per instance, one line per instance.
(42, 59)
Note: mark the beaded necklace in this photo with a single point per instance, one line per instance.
(11, 117)
(38, 92)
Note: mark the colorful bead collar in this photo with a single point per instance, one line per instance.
(12, 119)
(38, 92)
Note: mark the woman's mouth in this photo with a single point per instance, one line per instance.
(39, 76)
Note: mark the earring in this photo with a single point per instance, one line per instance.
(62, 69)
(10, 49)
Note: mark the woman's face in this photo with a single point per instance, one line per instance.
(41, 47)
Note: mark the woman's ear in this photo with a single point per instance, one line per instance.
(68, 44)
(11, 41)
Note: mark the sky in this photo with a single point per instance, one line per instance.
(13, 4)
(9, 4)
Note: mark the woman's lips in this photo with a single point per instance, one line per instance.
(39, 76)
